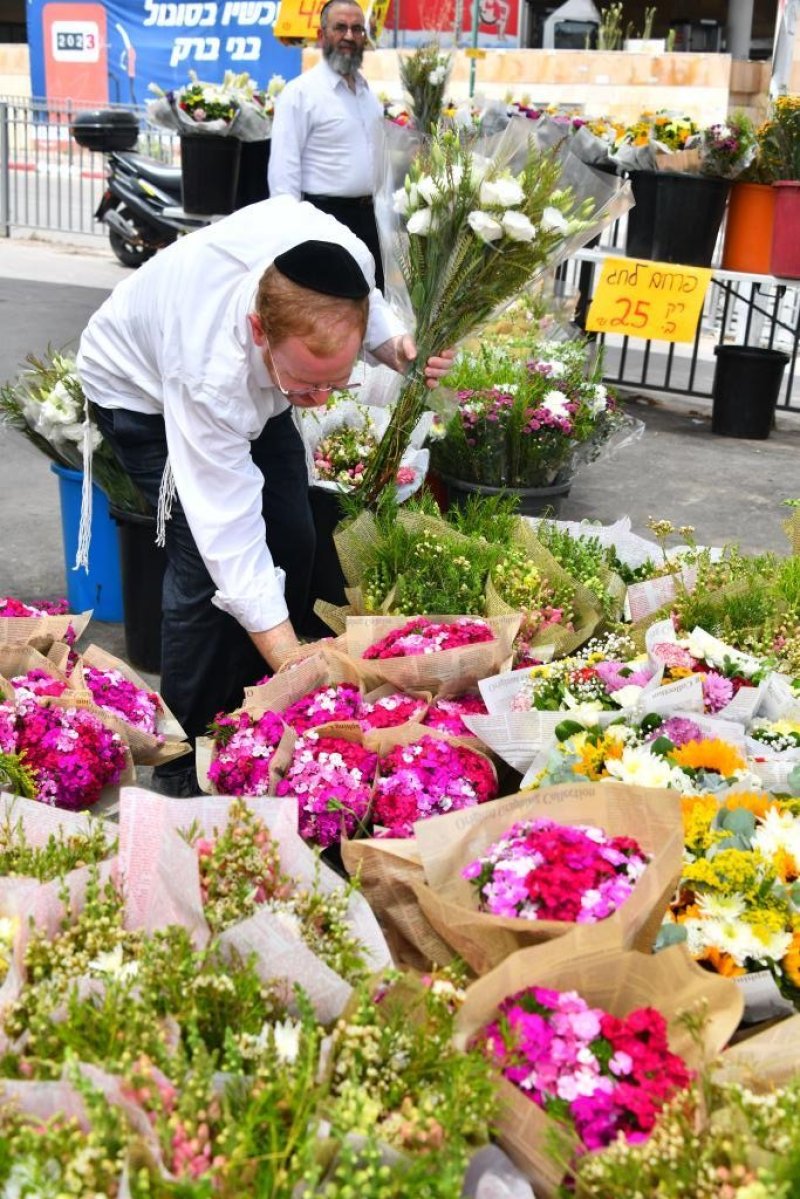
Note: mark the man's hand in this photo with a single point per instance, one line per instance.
(399, 352)
(276, 645)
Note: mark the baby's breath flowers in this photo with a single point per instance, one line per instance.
(8, 931)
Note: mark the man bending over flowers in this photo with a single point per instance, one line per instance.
(192, 367)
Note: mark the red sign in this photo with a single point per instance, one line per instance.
(499, 19)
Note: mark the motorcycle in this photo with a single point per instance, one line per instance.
(141, 204)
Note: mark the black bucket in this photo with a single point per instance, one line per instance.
(209, 173)
(142, 565)
(533, 501)
(747, 383)
(676, 218)
(327, 577)
(253, 167)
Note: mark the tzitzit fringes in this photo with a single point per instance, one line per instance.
(166, 498)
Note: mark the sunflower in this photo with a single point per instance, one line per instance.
(791, 961)
(709, 754)
(757, 802)
(721, 963)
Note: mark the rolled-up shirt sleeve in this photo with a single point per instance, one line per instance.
(220, 489)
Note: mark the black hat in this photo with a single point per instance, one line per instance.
(326, 267)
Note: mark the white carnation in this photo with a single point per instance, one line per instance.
(484, 226)
(555, 402)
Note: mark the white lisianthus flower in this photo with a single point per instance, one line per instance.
(517, 226)
(503, 193)
(401, 201)
(484, 226)
(479, 165)
(437, 76)
(553, 218)
(555, 402)
(628, 696)
(420, 222)
(428, 189)
(60, 406)
(597, 401)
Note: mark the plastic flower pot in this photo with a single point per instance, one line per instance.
(749, 228)
(785, 256)
(533, 501)
(209, 173)
(676, 218)
(252, 184)
(143, 564)
(747, 383)
(101, 588)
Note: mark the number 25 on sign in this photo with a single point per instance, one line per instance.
(657, 301)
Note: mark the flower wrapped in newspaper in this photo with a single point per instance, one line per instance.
(518, 871)
(738, 904)
(235, 107)
(709, 675)
(567, 1086)
(42, 622)
(676, 752)
(469, 232)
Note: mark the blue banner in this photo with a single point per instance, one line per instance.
(99, 53)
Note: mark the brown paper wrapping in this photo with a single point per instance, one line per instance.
(449, 843)
(145, 747)
(586, 606)
(390, 868)
(17, 658)
(448, 672)
(615, 980)
(680, 160)
(769, 1058)
(21, 630)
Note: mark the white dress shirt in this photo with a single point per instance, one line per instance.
(174, 339)
(323, 136)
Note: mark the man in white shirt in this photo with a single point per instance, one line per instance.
(191, 367)
(325, 128)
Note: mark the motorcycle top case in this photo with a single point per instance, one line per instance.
(105, 129)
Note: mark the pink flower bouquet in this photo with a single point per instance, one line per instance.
(590, 1046)
(541, 870)
(604, 1075)
(332, 780)
(425, 779)
(244, 746)
(424, 636)
(20, 622)
(446, 714)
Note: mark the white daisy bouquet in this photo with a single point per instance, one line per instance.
(467, 225)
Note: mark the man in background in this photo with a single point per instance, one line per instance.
(325, 128)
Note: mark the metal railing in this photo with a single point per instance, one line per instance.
(50, 184)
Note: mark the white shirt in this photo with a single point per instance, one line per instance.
(174, 339)
(323, 136)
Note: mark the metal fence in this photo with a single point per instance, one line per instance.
(50, 184)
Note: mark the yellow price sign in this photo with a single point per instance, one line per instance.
(474, 52)
(657, 301)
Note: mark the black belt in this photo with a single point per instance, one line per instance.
(345, 201)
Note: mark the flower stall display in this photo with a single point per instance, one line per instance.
(523, 420)
(235, 106)
(497, 222)
(550, 1022)
(512, 874)
(447, 713)
(729, 682)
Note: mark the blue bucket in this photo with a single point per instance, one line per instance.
(101, 588)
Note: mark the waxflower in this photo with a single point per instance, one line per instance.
(541, 870)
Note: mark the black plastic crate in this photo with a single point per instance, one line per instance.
(106, 129)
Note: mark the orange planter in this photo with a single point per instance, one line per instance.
(748, 229)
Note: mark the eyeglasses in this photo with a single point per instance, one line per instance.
(302, 393)
(340, 29)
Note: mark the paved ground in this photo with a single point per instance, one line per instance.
(728, 489)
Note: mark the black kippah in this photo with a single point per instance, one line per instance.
(326, 267)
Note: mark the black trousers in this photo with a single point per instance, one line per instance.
(207, 658)
(358, 214)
